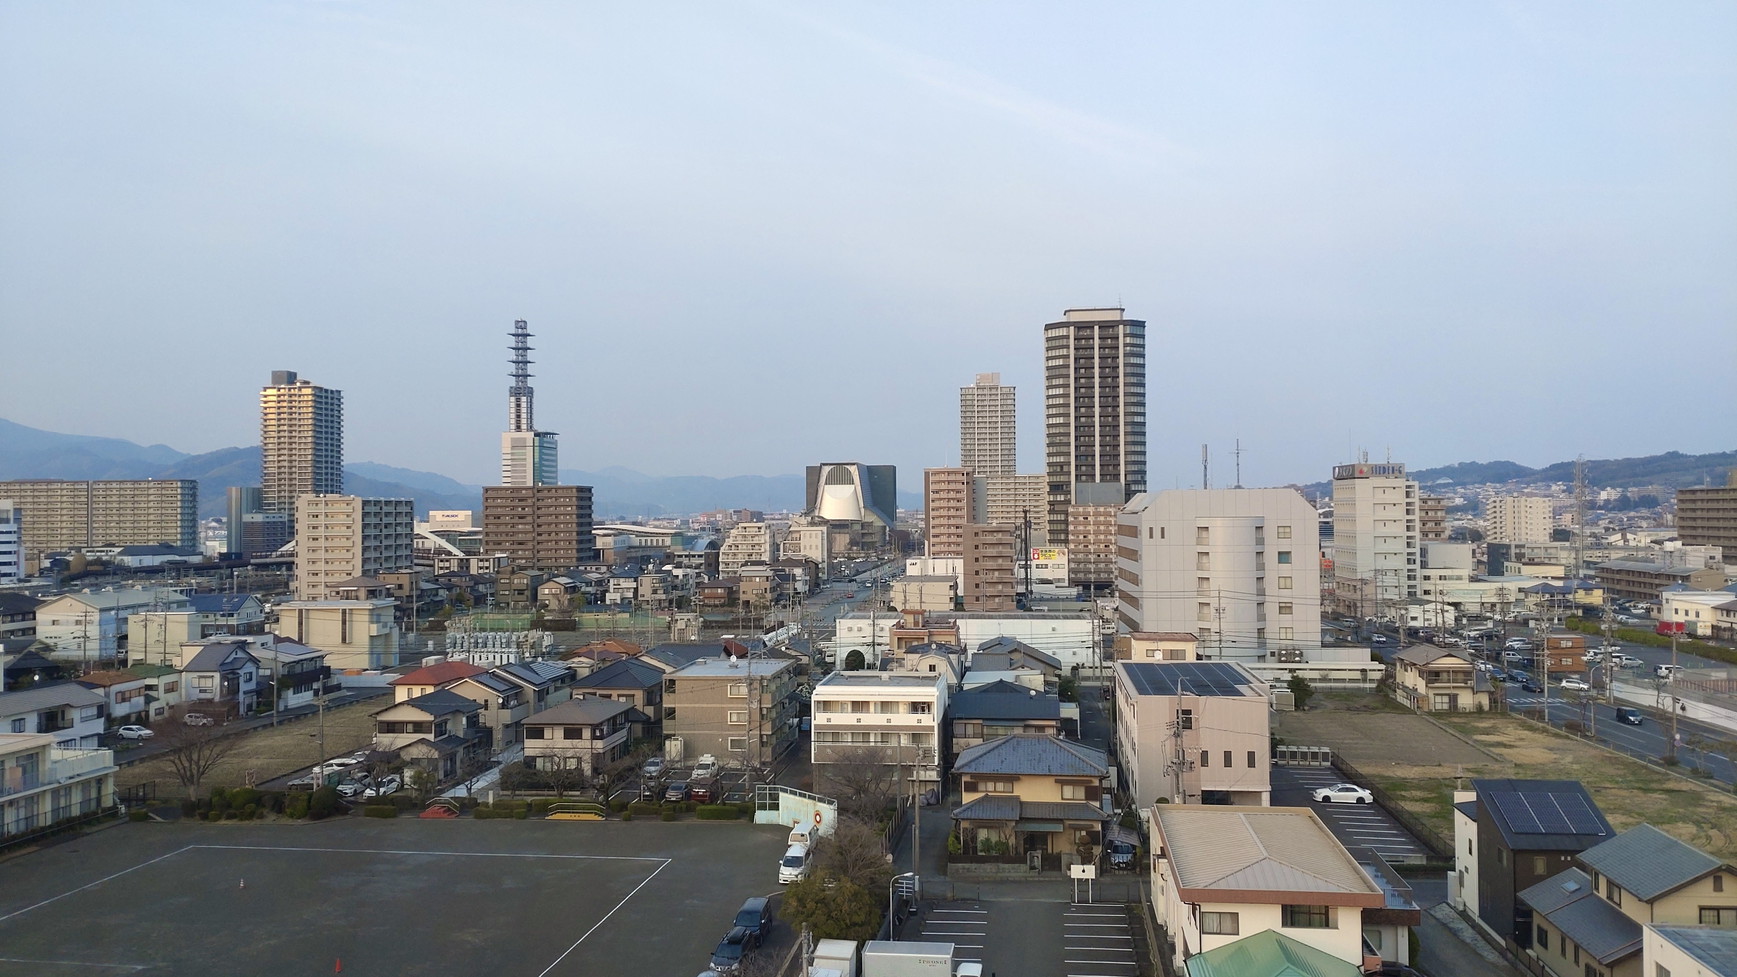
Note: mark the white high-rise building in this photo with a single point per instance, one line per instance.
(1237, 568)
(1518, 519)
(11, 543)
(988, 442)
(1375, 539)
(301, 442)
(340, 537)
(1094, 410)
(528, 456)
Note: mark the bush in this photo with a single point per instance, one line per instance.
(324, 803)
(137, 814)
(248, 811)
(380, 811)
(718, 812)
(746, 808)
(954, 845)
(297, 806)
(522, 814)
(189, 808)
(541, 805)
(230, 815)
(644, 807)
(667, 816)
(618, 805)
(244, 797)
(627, 815)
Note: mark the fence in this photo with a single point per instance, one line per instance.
(1440, 847)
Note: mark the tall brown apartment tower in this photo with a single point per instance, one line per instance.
(949, 502)
(539, 527)
(301, 442)
(988, 568)
(1708, 516)
(988, 442)
(1094, 410)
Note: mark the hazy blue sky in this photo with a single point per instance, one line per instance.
(753, 236)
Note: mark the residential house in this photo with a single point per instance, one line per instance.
(882, 717)
(1006, 653)
(670, 657)
(1689, 951)
(744, 710)
(296, 672)
(421, 681)
(931, 658)
(637, 683)
(1597, 909)
(1192, 733)
(989, 712)
(546, 683)
(723, 592)
(1269, 953)
(1220, 874)
(440, 732)
(223, 675)
(1510, 835)
(1387, 931)
(1163, 646)
(925, 592)
(43, 783)
(584, 733)
(17, 615)
(136, 695)
(24, 662)
(71, 713)
(92, 627)
(1431, 679)
(1029, 794)
(505, 705)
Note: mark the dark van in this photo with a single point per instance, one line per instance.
(1628, 714)
(756, 917)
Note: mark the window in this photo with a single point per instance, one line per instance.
(1719, 915)
(922, 708)
(1220, 924)
(1205, 759)
(1287, 634)
(1308, 917)
(1284, 556)
(1284, 583)
(1285, 608)
(1612, 893)
(171, 687)
(1203, 561)
(1202, 536)
(18, 725)
(995, 786)
(1073, 792)
(737, 690)
(1660, 970)
(1203, 611)
(1718, 883)
(738, 744)
(1501, 856)
(738, 717)
(536, 732)
(1227, 758)
(572, 732)
(1543, 937)
(1185, 718)
(1540, 865)
(1251, 759)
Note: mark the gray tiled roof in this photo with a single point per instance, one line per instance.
(48, 697)
(212, 656)
(1033, 754)
(1567, 902)
(1003, 700)
(1061, 811)
(989, 807)
(1647, 862)
(1715, 949)
(583, 711)
(440, 702)
(623, 674)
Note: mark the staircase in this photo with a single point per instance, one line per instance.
(576, 811)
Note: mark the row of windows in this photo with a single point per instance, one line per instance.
(1229, 756)
(1294, 917)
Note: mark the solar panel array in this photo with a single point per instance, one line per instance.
(1192, 678)
(1548, 813)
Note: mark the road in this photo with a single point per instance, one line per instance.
(1649, 740)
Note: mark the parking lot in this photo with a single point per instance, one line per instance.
(538, 898)
(1368, 825)
(1036, 936)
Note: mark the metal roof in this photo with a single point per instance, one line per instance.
(220, 603)
(1715, 949)
(1567, 902)
(1227, 679)
(623, 674)
(1003, 700)
(1647, 862)
(1286, 850)
(1032, 754)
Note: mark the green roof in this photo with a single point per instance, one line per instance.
(1269, 953)
(150, 671)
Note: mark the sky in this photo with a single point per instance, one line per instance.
(754, 236)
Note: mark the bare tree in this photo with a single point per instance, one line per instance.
(855, 851)
(194, 751)
(862, 778)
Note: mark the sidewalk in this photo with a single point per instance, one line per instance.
(1449, 947)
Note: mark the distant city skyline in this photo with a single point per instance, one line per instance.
(1460, 231)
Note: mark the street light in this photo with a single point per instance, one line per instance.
(892, 889)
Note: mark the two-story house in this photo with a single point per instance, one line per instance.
(67, 711)
(441, 732)
(1590, 918)
(1192, 733)
(637, 683)
(584, 733)
(505, 706)
(136, 695)
(1431, 679)
(893, 719)
(1220, 874)
(222, 675)
(988, 712)
(546, 683)
(43, 783)
(744, 710)
(1510, 835)
(1033, 796)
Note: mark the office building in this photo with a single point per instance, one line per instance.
(58, 515)
(1237, 568)
(949, 502)
(989, 554)
(1017, 501)
(1094, 412)
(528, 456)
(252, 531)
(301, 442)
(1092, 547)
(539, 527)
(987, 428)
(1517, 519)
(1708, 517)
(1375, 539)
(11, 543)
(341, 537)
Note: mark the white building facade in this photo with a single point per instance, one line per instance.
(1375, 538)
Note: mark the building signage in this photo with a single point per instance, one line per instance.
(1366, 470)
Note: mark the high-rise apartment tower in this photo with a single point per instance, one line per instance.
(1094, 410)
(528, 456)
(1375, 539)
(987, 442)
(301, 441)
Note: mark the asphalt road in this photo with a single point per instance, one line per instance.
(1649, 740)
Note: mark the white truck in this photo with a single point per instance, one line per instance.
(897, 958)
(833, 958)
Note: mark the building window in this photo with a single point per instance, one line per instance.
(1251, 759)
(18, 725)
(536, 732)
(1308, 917)
(1220, 924)
(1284, 583)
(1540, 865)
(1203, 611)
(738, 744)
(1284, 556)
(1660, 970)
(738, 717)
(737, 690)
(1073, 792)
(1718, 883)
(1284, 532)
(1202, 536)
(572, 732)
(1185, 718)
(1543, 937)
(995, 786)
(1205, 759)
(1287, 634)
(1284, 608)
(1612, 893)
(1719, 916)
(1203, 561)
(1227, 759)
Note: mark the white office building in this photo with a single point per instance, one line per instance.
(1375, 539)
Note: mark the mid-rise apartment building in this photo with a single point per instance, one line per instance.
(52, 515)
(987, 427)
(1193, 733)
(749, 542)
(742, 710)
(44, 783)
(949, 502)
(1432, 518)
(340, 537)
(360, 634)
(1708, 516)
(880, 718)
(1094, 411)
(539, 527)
(989, 554)
(301, 441)
(1237, 568)
(1375, 538)
(1092, 546)
(1518, 519)
(11, 543)
(1017, 501)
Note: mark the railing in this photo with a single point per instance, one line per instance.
(66, 764)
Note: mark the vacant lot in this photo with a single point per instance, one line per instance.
(1421, 764)
(270, 752)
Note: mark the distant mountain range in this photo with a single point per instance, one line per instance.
(27, 452)
(1672, 469)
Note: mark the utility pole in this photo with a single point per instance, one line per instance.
(1676, 737)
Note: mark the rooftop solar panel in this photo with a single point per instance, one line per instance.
(1549, 813)
(1518, 814)
(1192, 678)
(1582, 818)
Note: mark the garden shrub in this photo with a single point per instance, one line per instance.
(138, 814)
(718, 812)
(380, 811)
(627, 815)
(324, 803)
(667, 816)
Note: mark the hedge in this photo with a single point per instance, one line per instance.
(718, 812)
(644, 807)
(380, 811)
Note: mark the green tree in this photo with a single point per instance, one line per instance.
(834, 908)
(1301, 690)
(855, 662)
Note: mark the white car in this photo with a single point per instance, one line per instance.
(388, 784)
(1575, 685)
(134, 733)
(1626, 661)
(1344, 794)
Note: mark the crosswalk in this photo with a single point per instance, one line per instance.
(961, 924)
(1098, 941)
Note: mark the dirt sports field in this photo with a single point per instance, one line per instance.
(1420, 761)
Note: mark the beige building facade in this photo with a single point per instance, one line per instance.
(1376, 538)
(1193, 733)
(1014, 500)
(988, 443)
(749, 542)
(339, 537)
(301, 440)
(949, 503)
(58, 515)
(880, 717)
(1092, 546)
(1518, 519)
(354, 634)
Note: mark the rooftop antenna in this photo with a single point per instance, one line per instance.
(1204, 471)
(1238, 454)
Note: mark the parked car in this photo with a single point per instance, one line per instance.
(351, 788)
(755, 916)
(1517, 644)
(1344, 794)
(198, 719)
(389, 784)
(1378, 639)
(707, 768)
(727, 958)
(1575, 685)
(705, 791)
(1666, 671)
(1626, 661)
(1628, 714)
(795, 864)
(1120, 846)
(676, 792)
(134, 733)
(653, 767)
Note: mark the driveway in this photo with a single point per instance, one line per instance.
(1368, 825)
